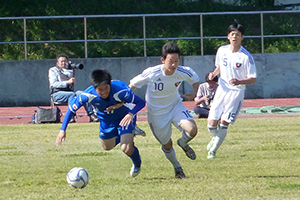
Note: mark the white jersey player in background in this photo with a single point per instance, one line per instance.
(164, 103)
(237, 69)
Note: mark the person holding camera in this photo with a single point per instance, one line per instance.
(61, 80)
(205, 96)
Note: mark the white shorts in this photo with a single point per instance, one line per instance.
(226, 105)
(161, 125)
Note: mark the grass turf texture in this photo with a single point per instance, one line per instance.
(259, 159)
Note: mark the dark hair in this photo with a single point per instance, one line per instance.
(236, 26)
(62, 55)
(100, 76)
(214, 79)
(169, 47)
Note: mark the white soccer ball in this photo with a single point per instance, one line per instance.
(78, 177)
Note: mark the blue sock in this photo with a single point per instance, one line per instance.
(117, 140)
(135, 157)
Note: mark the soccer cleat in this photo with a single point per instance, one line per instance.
(179, 173)
(210, 144)
(135, 171)
(138, 131)
(188, 151)
(211, 155)
(93, 118)
(73, 120)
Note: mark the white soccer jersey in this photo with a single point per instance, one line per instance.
(162, 90)
(239, 65)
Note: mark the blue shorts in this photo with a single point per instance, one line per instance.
(118, 130)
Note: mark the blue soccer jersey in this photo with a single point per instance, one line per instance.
(109, 120)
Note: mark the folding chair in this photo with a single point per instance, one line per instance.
(54, 103)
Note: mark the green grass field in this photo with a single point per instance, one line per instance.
(258, 160)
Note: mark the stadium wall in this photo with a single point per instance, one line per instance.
(25, 82)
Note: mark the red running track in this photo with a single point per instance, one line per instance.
(22, 115)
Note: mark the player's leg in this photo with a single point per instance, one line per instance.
(128, 147)
(188, 133)
(213, 119)
(126, 143)
(171, 156)
(186, 124)
(234, 100)
(138, 131)
(161, 128)
(109, 140)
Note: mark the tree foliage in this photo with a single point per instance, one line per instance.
(132, 27)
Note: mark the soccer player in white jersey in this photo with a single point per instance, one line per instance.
(237, 69)
(164, 103)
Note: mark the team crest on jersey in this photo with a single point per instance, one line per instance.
(177, 83)
(238, 65)
(74, 107)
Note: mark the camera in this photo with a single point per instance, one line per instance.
(210, 98)
(71, 65)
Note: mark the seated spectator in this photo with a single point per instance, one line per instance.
(61, 81)
(205, 95)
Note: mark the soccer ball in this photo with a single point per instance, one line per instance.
(78, 177)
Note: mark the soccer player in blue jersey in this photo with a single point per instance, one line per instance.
(113, 100)
(164, 103)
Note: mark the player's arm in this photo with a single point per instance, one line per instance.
(73, 107)
(62, 133)
(215, 73)
(188, 97)
(246, 81)
(131, 87)
(60, 137)
(139, 104)
(191, 96)
(195, 89)
(119, 105)
(140, 80)
(115, 106)
(251, 77)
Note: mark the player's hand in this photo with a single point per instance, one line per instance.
(60, 137)
(234, 81)
(188, 97)
(126, 119)
(211, 76)
(115, 106)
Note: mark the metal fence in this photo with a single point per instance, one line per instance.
(144, 17)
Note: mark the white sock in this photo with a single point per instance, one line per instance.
(219, 138)
(185, 138)
(212, 129)
(171, 156)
